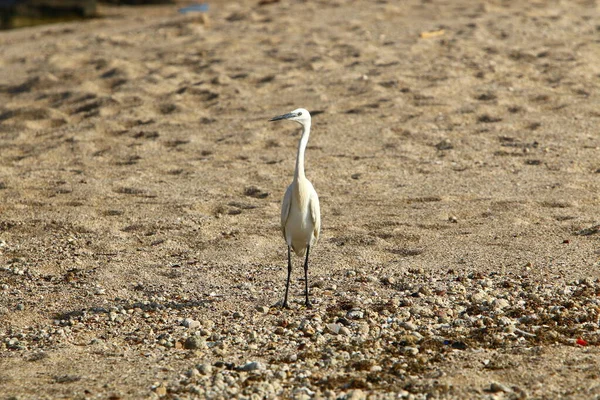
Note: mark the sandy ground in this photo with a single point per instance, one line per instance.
(140, 184)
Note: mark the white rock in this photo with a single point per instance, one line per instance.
(205, 369)
(413, 351)
(190, 323)
(253, 366)
(356, 394)
(479, 297)
(500, 304)
(408, 326)
(355, 314)
(334, 328)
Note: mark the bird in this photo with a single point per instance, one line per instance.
(300, 209)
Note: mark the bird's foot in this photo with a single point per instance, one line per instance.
(308, 304)
(285, 305)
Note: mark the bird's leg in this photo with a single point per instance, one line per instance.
(287, 285)
(308, 304)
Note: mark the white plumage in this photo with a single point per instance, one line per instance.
(300, 211)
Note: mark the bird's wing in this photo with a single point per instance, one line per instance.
(285, 208)
(315, 214)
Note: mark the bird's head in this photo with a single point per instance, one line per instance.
(299, 115)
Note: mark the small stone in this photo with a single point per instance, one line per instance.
(412, 351)
(388, 280)
(409, 326)
(222, 79)
(161, 390)
(479, 297)
(500, 304)
(356, 394)
(334, 328)
(238, 314)
(309, 331)
(445, 144)
(262, 309)
(190, 323)
(195, 343)
(363, 329)
(303, 391)
(195, 389)
(253, 366)
(355, 314)
(20, 307)
(499, 387)
(204, 369)
(208, 324)
(345, 331)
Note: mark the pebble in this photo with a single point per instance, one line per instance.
(388, 280)
(253, 366)
(479, 297)
(409, 326)
(444, 144)
(195, 343)
(304, 390)
(500, 304)
(262, 309)
(345, 331)
(160, 390)
(334, 328)
(190, 323)
(363, 329)
(499, 387)
(204, 369)
(355, 314)
(356, 394)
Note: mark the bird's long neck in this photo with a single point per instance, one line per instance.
(299, 173)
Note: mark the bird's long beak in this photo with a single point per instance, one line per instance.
(284, 116)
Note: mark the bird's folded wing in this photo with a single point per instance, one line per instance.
(315, 213)
(285, 209)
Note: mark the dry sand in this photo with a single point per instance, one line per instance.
(455, 150)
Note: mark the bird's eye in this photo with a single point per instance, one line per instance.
(300, 113)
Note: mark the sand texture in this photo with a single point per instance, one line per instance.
(456, 152)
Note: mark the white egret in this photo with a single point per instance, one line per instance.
(300, 211)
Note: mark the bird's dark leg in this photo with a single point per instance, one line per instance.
(308, 304)
(287, 285)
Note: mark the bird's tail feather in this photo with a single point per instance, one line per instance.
(299, 252)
